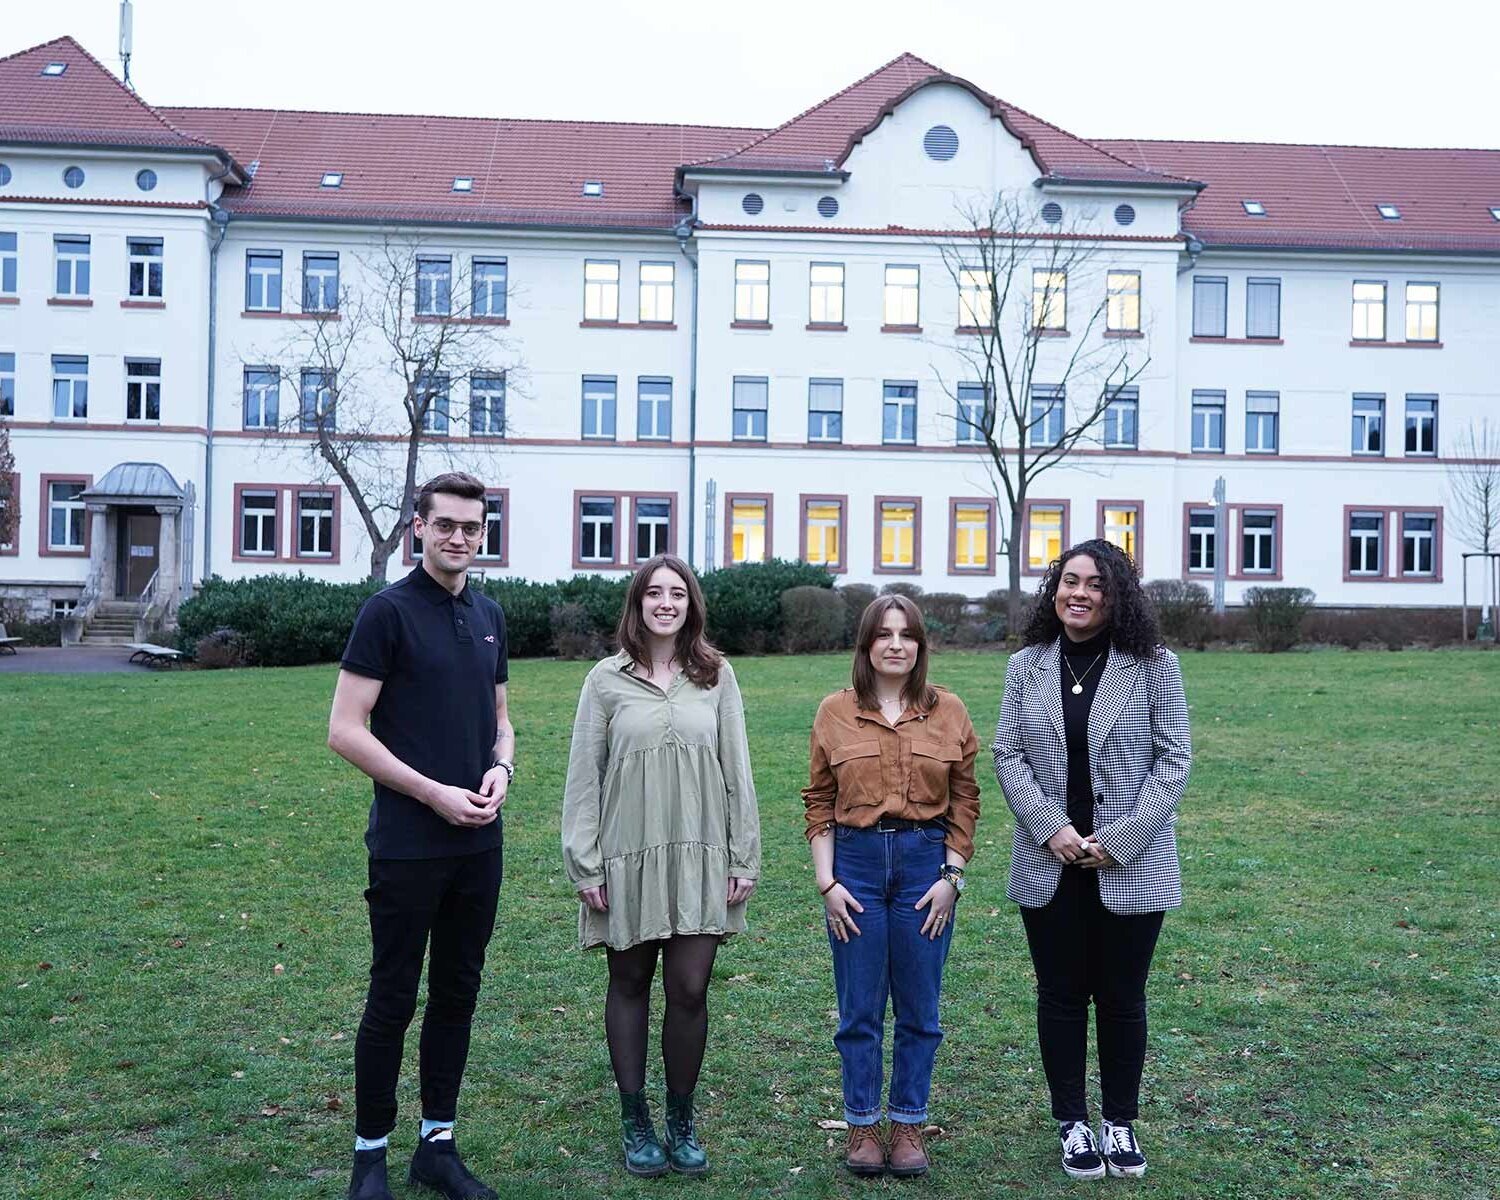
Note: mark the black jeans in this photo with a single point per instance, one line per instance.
(453, 900)
(1080, 950)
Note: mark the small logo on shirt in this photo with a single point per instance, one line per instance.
(489, 637)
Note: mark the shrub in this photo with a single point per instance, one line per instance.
(601, 597)
(528, 614)
(1276, 616)
(574, 634)
(812, 618)
(945, 614)
(1392, 628)
(222, 648)
(910, 590)
(285, 620)
(857, 597)
(1183, 609)
(34, 633)
(744, 602)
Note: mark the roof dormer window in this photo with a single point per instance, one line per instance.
(463, 183)
(593, 187)
(332, 179)
(1253, 208)
(1495, 211)
(1388, 212)
(54, 69)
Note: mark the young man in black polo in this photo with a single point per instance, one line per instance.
(426, 666)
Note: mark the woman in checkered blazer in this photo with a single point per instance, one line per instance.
(1092, 752)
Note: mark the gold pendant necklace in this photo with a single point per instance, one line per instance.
(1077, 688)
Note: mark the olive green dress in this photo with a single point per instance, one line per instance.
(659, 806)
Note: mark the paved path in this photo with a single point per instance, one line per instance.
(69, 660)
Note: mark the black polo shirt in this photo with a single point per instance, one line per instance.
(439, 657)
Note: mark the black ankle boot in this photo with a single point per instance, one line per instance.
(684, 1153)
(367, 1181)
(643, 1153)
(436, 1164)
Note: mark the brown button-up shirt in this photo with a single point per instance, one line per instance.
(920, 768)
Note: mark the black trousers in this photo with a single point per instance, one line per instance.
(451, 903)
(1081, 950)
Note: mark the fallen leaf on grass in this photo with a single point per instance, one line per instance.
(278, 969)
(795, 1171)
(58, 1019)
(44, 966)
(559, 1009)
(285, 1041)
(565, 1152)
(333, 1103)
(236, 1074)
(178, 943)
(271, 1110)
(934, 1131)
(93, 1156)
(739, 978)
(337, 1037)
(833, 1124)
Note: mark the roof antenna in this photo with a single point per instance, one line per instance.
(125, 42)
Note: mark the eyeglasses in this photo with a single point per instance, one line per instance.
(443, 527)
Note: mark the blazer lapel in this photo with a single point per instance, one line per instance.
(1115, 686)
(1047, 672)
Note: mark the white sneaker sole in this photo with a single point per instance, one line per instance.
(1125, 1172)
(1080, 1173)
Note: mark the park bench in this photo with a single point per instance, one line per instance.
(8, 644)
(154, 656)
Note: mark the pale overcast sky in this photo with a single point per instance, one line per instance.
(1374, 73)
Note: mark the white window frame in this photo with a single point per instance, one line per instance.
(975, 304)
(434, 285)
(902, 302)
(1203, 306)
(1207, 418)
(653, 408)
(1422, 313)
(825, 293)
(10, 263)
(437, 417)
(1123, 302)
(657, 526)
(1048, 413)
(72, 385)
(1035, 561)
(752, 291)
(658, 293)
(744, 408)
(490, 285)
(1125, 403)
(322, 398)
(1258, 542)
(72, 266)
(598, 523)
(1368, 311)
(900, 517)
(322, 523)
(742, 524)
(817, 552)
(970, 399)
(1049, 300)
(263, 272)
(825, 410)
(138, 391)
(266, 393)
(601, 289)
(1259, 406)
(142, 254)
(604, 410)
(1265, 284)
(1423, 424)
(904, 410)
(320, 283)
(75, 515)
(1366, 537)
(492, 545)
(7, 383)
(1202, 541)
(1119, 532)
(1418, 539)
(487, 403)
(264, 519)
(971, 537)
(1364, 422)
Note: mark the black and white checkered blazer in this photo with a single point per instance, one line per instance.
(1140, 750)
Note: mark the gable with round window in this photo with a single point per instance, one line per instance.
(73, 177)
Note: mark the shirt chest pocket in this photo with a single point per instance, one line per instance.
(856, 767)
(930, 765)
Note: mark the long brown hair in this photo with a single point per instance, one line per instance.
(699, 658)
(915, 692)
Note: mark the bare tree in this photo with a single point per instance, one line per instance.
(401, 368)
(1040, 396)
(8, 500)
(1474, 495)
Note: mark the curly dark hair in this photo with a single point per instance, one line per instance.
(1132, 620)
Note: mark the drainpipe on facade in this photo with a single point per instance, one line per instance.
(221, 227)
(684, 231)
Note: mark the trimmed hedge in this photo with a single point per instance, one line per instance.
(813, 619)
(744, 602)
(283, 620)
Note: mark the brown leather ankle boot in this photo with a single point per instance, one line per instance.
(908, 1155)
(866, 1150)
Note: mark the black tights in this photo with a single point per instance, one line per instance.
(687, 963)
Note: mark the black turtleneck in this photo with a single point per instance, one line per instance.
(1082, 662)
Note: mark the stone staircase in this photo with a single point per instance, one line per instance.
(113, 623)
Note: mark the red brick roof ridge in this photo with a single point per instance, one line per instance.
(1089, 142)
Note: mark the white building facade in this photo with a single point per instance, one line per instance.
(728, 343)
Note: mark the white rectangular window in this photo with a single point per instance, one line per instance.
(898, 533)
(653, 412)
(1421, 312)
(1366, 543)
(143, 389)
(749, 415)
(1421, 425)
(1202, 540)
(825, 296)
(1369, 311)
(315, 524)
(493, 545)
(903, 295)
(1369, 425)
(144, 280)
(599, 406)
(601, 290)
(65, 515)
(825, 410)
(752, 292)
(658, 282)
(1208, 422)
(487, 403)
(975, 302)
(898, 414)
(653, 527)
(489, 281)
(1049, 300)
(973, 412)
(1262, 422)
(318, 397)
(1047, 411)
(1122, 419)
(1122, 527)
(7, 384)
(9, 264)
(70, 388)
(71, 258)
(1044, 524)
(1418, 544)
(262, 398)
(430, 393)
(1262, 308)
(263, 281)
(320, 283)
(596, 529)
(823, 532)
(1123, 302)
(1210, 306)
(258, 524)
(1257, 543)
(971, 537)
(747, 531)
(434, 287)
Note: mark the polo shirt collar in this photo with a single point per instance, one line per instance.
(436, 593)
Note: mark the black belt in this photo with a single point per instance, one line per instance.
(902, 825)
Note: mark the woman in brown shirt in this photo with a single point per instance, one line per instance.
(891, 806)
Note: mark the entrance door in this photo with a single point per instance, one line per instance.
(141, 553)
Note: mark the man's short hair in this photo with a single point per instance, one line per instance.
(450, 483)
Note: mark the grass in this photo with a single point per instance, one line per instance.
(183, 950)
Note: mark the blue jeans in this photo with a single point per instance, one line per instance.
(888, 873)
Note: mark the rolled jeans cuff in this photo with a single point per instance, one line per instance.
(871, 1117)
(907, 1116)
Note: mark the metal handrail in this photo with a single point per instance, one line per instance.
(150, 588)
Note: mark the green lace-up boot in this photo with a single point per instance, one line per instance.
(684, 1153)
(643, 1153)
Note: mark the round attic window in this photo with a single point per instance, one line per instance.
(941, 143)
(828, 207)
(1124, 214)
(753, 203)
(73, 177)
(4, 174)
(146, 180)
(1052, 212)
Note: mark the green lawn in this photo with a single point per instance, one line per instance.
(183, 947)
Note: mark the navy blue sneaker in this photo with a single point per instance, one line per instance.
(1122, 1153)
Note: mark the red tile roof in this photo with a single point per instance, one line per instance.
(1326, 196)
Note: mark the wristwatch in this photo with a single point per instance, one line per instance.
(510, 768)
(953, 875)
